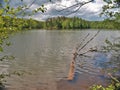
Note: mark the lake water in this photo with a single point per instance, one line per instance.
(44, 58)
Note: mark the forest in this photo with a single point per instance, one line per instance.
(56, 23)
(78, 23)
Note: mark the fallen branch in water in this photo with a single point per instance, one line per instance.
(72, 67)
(75, 54)
(113, 78)
(88, 41)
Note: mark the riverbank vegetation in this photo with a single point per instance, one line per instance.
(10, 23)
(60, 23)
(78, 23)
(115, 85)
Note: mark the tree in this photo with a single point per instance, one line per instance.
(112, 8)
(9, 22)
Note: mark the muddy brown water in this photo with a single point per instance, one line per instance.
(44, 58)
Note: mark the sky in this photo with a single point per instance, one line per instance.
(89, 11)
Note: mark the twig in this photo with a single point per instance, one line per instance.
(82, 41)
(24, 9)
(113, 78)
(74, 11)
(88, 41)
(68, 7)
(78, 4)
(90, 50)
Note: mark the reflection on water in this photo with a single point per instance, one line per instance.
(45, 57)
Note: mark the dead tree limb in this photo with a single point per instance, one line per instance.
(75, 54)
(78, 46)
(88, 41)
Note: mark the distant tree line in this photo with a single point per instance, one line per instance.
(15, 24)
(78, 23)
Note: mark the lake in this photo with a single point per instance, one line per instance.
(45, 56)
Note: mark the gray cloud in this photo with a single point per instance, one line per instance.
(90, 11)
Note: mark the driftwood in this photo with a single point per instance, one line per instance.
(76, 53)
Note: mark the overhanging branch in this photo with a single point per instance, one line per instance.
(76, 7)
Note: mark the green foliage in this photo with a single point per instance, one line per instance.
(108, 42)
(78, 23)
(2, 76)
(100, 87)
(115, 86)
(6, 57)
(110, 8)
(112, 45)
(15, 24)
(42, 9)
(10, 23)
(20, 10)
(1, 49)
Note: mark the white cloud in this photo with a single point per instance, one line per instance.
(89, 11)
(95, 7)
(67, 3)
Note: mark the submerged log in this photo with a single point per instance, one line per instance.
(71, 71)
(72, 67)
(77, 52)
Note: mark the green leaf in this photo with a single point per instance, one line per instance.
(11, 57)
(7, 7)
(117, 45)
(42, 5)
(1, 42)
(8, 43)
(1, 11)
(6, 0)
(1, 49)
(108, 42)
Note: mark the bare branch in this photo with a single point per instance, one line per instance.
(26, 8)
(88, 41)
(82, 41)
(70, 7)
(74, 11)
(77, 6)
(31, 4)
